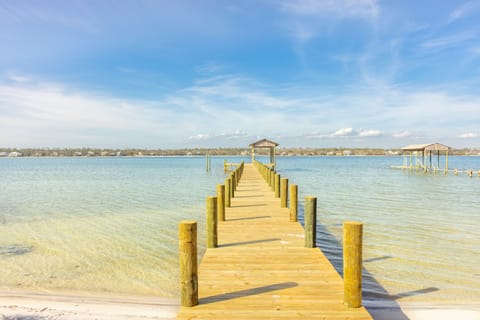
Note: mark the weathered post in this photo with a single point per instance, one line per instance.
(187, 236)
(272, 180)
(310, 207)
(283, 193)
(352, 263)
(277, 185)
(228, 193)
(293, 202)
(232, 185)
(211, 222)
(221, 202)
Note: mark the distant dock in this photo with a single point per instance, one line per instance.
(419, 157)
(260, 262)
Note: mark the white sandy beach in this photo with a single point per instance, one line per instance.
(40, 306)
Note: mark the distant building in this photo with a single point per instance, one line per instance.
(3, 154)
(14, 154)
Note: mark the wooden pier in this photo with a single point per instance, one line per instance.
(260, 267)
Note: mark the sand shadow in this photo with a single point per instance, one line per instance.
(248, 292)
(247, 242)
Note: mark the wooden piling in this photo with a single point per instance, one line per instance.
(211, 222)
(310, 207)
(232, 185)
(272, 180)
(228, 194)
(187, 235)
(352, 263)
(221, 202)
(293, 202)
(277, 185)
(283, 193)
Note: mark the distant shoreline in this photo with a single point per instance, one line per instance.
(199, 152)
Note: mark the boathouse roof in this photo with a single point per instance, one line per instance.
(427, 147)
(264, 143)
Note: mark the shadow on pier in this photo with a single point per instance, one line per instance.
(248, 292)
(377, 298)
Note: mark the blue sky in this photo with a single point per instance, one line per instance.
(174, 74)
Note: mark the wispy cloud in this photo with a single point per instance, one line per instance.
(344, 132)
(225, 111)
(449, 41)
(369, 133)
(15, 77)
(306, 19)
(463, 10)
(342, 8)
(402, 134)
(468, 135)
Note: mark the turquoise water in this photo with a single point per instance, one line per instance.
(110, 224)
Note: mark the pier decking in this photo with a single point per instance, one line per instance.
(261, 268)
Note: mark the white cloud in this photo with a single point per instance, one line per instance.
(468, 135)
(14, 77)
(402, 134)
(463, 10)
(352, 8)
(369, 133)
(227, 111)
(344, 132)
(199, 136)
(449, 41)
(306, 19)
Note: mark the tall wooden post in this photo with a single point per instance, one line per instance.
(352, 263)
(272, 180)
(283, 193)
(277, 185)
(232, 183)
(211, 222)
(293, 202)
(187, 236)
(310, 207)
(228, 193)
(221, 202)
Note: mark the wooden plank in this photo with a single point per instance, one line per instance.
(261, 268)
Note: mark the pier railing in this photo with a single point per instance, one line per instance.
(215, 210)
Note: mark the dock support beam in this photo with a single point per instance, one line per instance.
(187, 234)
(211, 222)
(277, 185)
(283, 193)
(221, 202)
(228, 193)
(293, 202)
(352, 263)
(310, 207)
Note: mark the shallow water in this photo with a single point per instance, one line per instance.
(110, 224)
(421, 231)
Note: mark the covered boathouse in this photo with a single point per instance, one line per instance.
(419, 156)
